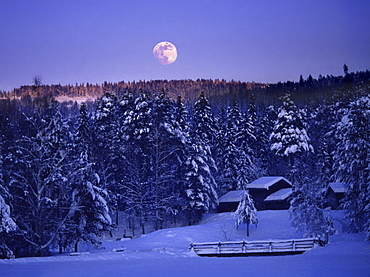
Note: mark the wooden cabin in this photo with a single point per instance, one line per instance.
(334, 194)
(261, 188)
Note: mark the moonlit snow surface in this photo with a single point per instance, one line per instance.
(165, 52)
(165, 253)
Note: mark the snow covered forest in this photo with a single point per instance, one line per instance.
(67, 169)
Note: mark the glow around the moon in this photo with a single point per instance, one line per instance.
(165, 52)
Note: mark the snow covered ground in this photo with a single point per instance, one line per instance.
(165, 253)
(79, 100)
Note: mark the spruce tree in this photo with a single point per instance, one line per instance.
(290, 139)
(230, 152)
(246, 212)
(204, 125)
(200, 185)
(167, 152)
(107, 141)
(219, 153)
(7, 224)
(352, 161)
(182, 119)
(181, 115)
(238, 167)
(83, 140)
(201, 188)
(322, 129)
(88, 213)
(137, 125)
(306, 212)
(267, 160)
(289, 136)
(39, 179)
(252, 120)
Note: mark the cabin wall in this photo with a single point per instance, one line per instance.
(333, 199)
(278, 204)
(225, 207)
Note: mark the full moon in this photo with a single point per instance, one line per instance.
(165, 52)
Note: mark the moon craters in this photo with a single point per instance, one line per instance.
(165, 52)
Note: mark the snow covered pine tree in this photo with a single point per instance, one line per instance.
(200, 186)
(167, 148)
(235, 166)
(39, 180)
(7, 225)
(307, 215)
(106, 143)
(289, 137)
(229, 160)
(352, 160)
(88, 213)
(246, 212)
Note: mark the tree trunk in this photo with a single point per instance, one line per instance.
(247, 229)
(129, 219)
(133, 227)
(143, 227)
(292, 168)
(39, 253)
(291, 161)
(117, 213)
(76, 246)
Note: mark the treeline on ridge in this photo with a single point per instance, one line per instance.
(219, 92)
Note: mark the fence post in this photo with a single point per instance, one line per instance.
(270, 246)
(294, 245)
(219, 247)
(244, 247)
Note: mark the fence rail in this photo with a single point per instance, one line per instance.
(249, 248)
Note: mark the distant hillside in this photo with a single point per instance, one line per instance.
(187, 89)
(219, 92)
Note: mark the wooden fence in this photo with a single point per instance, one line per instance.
(254, 248)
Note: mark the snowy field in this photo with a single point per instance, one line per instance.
(79, 100)
(165, 253)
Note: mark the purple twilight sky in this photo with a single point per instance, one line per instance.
(69, 41)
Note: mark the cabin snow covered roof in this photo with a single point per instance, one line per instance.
(279, 195)
(266, 182)
(337, 187)
(232, 196)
